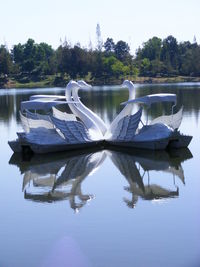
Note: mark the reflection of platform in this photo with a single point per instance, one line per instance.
(131, 163)
(59, 176)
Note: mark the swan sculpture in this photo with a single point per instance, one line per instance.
(63, 131)
(99, 122)
(56, 134)
(124, 130)
(163, 129)
(126, 111)
(83, 113)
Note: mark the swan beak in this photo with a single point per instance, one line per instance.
(84, 85)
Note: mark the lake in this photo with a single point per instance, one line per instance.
(104, 208)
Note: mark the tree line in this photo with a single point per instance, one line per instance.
(155, 58)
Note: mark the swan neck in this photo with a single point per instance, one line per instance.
(131, 93)
(68, 94)
(75, 93)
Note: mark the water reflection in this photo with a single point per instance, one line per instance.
(59, 176)
(106, 101)
(135, 165)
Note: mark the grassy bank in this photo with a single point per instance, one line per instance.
(56, 81)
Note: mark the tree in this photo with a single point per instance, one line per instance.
(63, 56)
(109, 45)
(145, 67)
(5, 61)
(122, 50)
(151, 49)
(169, 53)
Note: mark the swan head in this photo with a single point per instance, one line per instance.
(84, 85)
(72, 84)
(127, 84)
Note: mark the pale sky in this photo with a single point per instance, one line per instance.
(128, 20)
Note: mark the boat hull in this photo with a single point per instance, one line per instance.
(159, 144)
(25, 147)
(179, 140)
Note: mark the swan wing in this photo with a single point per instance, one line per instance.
(63, 115)
(37, 116)
(73, 131)
(173, 121)
(127, 126)
(28, 123)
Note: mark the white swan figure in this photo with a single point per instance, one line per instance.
(82, 113)
(89, 112)
(126, 111)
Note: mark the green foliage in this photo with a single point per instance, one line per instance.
(122, 50)
(166, 58)
(32, 62)
(151, 49)
(35, 59)
(5, 61)
(109, 46)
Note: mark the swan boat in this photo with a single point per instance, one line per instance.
(162, 132)
(60, 131)
(56, 130)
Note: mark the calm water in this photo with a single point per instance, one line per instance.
(102, 209)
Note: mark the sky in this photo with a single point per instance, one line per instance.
(132, 21)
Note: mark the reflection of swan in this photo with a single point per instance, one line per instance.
(48, 180)
(127, 163)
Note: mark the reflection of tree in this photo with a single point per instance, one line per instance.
(106, 101)
(131, 164)
(57, 179)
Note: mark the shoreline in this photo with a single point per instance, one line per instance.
(139, 80)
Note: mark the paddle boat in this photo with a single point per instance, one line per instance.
(161, 133)
(59, 131)
(56, 130)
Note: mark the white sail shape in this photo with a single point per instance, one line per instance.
(173, 121)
